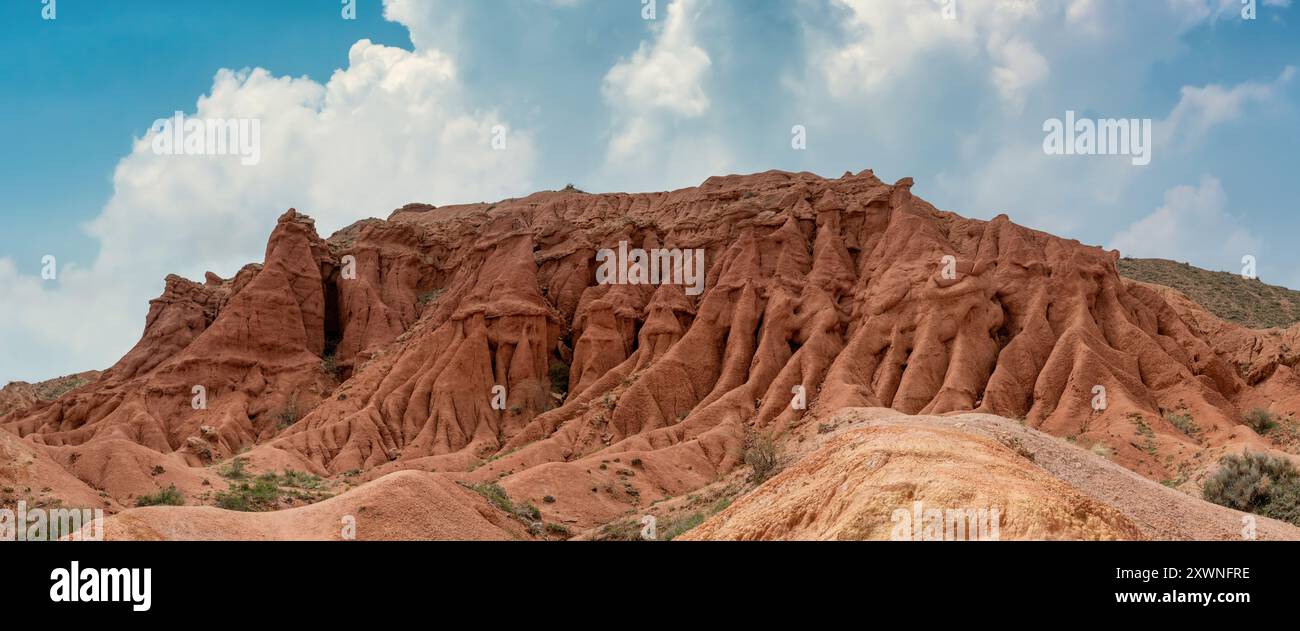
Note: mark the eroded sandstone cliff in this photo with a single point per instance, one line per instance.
(385, 347)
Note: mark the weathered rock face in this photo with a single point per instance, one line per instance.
(216, 365)
(386, 347)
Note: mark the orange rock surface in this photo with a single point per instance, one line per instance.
(389, 346)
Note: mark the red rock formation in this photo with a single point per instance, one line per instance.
(389, 339)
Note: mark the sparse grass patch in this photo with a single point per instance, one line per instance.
(1144, 431)
(55, 388)
(259, 495)
(676, 528)
(1102, 449)
(301, 480)
(1015, 444)
(667, 528)
(496, 495)
(621, 530)
(288, 414)
(1248, 302)
(166, 497)
(1183, 421)
(430, 297)
(268, 491)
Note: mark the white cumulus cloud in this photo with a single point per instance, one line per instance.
(393, 127)
(649, 93)
(1193, 225)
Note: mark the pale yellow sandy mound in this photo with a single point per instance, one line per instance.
(863, 480)
(407, 505)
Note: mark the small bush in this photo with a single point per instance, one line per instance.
(761, 455)
(288, 415)
(1260, 420)
(234, 470)
(621, 530)
(429, 297)
(1183, 421)
(528, 511)
(300, 480)
(559, 374)
(1256, 483)
(496, 496)
(549, 499)
(679, 527)
(1102, 449)
(259, 495)
(166, 497)
(329, 364)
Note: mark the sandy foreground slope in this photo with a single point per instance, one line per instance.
(842, 483)
(404, 506)
(850, 480)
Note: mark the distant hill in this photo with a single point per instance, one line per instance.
(1250, 303)
(20, 394)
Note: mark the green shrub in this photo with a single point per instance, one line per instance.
(268, 491)
(300, 480)
(234, 470)
(528, 511)
(430, 297)
(761, 455)
(1260, 420)
(559, 377)
(679, 527)
(259, 495)
(497, 496)
(1256, 483)
(288, 415)
(166, 497)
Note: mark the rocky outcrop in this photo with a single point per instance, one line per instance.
(476, 341)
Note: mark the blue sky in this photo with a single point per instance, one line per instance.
(400, 104)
